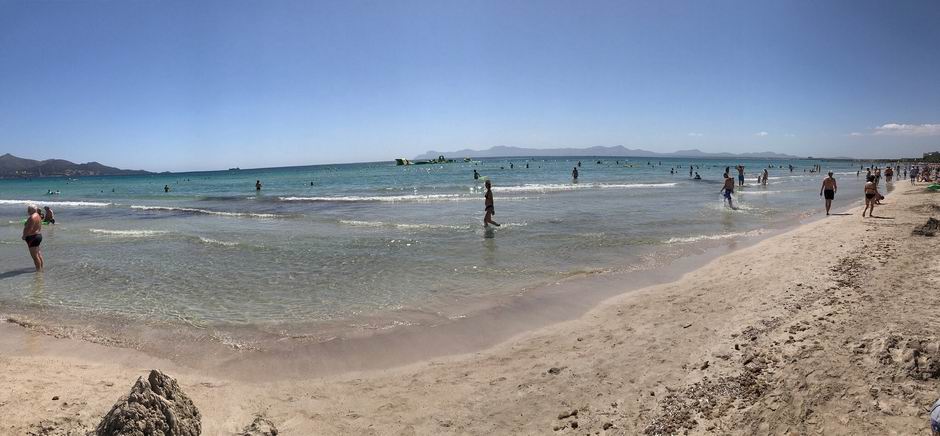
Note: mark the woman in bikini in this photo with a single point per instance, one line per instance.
(871, 196)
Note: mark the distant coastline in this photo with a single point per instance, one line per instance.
(615, 151)
(12, 167)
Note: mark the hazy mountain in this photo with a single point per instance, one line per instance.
(504, 151)
(12, 166)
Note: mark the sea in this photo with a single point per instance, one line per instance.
(377, 245)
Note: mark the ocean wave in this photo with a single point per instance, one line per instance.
(417, 226)
(552, 187)
(58, 203)
(128, 233)
(697, 238)
(206, 212)
(217, 242)
(378, 198)
(740, 192)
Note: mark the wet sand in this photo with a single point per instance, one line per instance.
(827, 328)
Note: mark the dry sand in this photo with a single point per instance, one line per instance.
(830, 328)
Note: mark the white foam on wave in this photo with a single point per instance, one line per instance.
(205, 212)
(740, 192)
(217, 242)
(387, 198)
(128, 233)
(557, 187)
(58, 203)
(417, 226)
(697, 238)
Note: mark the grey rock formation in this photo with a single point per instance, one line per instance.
(154, 407)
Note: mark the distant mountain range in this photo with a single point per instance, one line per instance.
(504, 151)
(17, 167)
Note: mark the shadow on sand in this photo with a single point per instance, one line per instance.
(16, 272)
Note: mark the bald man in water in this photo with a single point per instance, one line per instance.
(32, 234)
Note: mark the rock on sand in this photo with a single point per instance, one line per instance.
(155, 406)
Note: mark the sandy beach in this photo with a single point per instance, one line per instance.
(824, 329)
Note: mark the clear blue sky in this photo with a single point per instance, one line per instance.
(165, 85)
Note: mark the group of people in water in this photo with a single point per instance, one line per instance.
(827, 190)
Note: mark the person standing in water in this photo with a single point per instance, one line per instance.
(740, 175)
(488, 206)
(32, 235)
(257, 185)
(574, 173)
(829, 190)
(476, 175)
(728, 189)
(166, 188)
(48, 217)
(763, 180)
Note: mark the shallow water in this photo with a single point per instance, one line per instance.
(375, 243)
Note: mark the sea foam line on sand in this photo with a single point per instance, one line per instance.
(697, 238)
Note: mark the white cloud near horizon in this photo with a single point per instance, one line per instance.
(856, 134)
(790, 135)
(908, 129)
(761, 134)
(695, 134)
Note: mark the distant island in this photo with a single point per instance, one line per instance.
(17, 167)
(504, 151)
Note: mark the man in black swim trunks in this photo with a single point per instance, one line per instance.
(33, 236)
(829, 189)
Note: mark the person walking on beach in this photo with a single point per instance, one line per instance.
(488, 206)
(257, 185)
(871, 196)
(574, 174)
(740, 175)
(32, 235)
(829, 190)
(690, 170)
(728, 189)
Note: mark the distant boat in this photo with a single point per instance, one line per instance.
(234, 169)
(402, 161)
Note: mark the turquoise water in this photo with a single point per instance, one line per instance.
(362, 241)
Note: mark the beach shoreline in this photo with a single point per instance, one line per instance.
(620, 363)
(321, 349)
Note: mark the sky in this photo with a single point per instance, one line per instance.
(167, 85)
